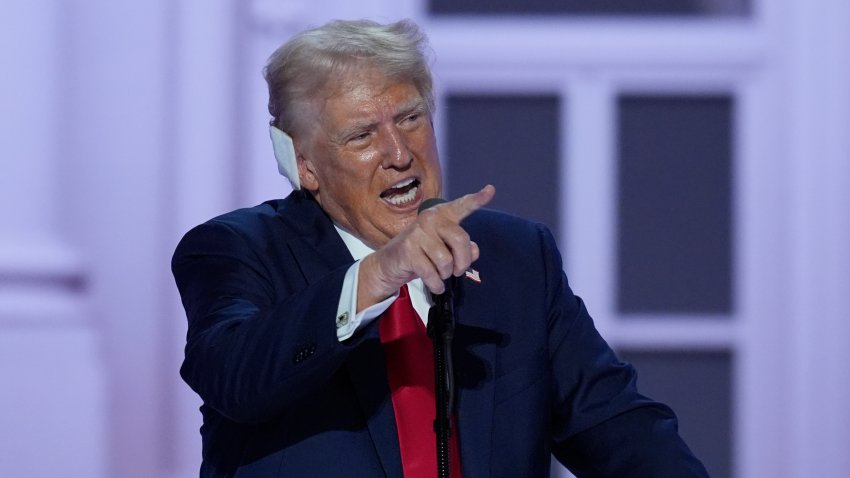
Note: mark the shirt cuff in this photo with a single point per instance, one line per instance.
(348, 321)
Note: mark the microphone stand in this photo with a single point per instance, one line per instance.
(441, 327)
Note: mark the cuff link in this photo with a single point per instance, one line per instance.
(342, 320)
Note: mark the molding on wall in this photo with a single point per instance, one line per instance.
(25, 259)
(42, 284)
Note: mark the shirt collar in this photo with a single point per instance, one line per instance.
(355, 246)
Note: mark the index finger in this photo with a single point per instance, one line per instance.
(463, 206)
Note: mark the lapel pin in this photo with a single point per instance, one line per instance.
(473, 275)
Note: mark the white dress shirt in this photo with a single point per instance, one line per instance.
(348, 320)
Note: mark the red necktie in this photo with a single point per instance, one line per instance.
(410, 372)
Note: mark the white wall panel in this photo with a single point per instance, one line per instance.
(818, 114)
(113, 135)
(51, 365)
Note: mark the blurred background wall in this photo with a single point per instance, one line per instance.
(691, 156)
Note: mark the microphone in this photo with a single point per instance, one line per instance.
(429, 203)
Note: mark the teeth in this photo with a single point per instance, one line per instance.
(403, 183)
(403, 198)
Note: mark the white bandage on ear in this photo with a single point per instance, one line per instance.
(284, 152)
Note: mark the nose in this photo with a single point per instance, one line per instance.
(396, 153)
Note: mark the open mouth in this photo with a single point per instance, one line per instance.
(402, 193)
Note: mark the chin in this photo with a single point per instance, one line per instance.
(399, 225)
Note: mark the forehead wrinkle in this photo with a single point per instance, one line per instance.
(357, 118)
(374, 111)
(369, 121)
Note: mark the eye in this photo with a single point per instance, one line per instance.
(411, 120)
(359, 137)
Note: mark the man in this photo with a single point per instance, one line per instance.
(289, 302)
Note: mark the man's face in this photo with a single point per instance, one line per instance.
(370, 158)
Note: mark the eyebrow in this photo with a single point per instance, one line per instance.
(416, 105)
(413, 106)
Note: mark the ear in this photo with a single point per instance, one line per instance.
(306, 171)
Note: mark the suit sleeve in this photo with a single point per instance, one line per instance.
(602, 427)
(254, 347)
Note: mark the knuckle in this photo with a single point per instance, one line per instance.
(443, 259)
(459, 236)
(429, 215)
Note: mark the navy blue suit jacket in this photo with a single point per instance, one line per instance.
(283, 397)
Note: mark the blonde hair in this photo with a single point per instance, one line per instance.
(297, 71)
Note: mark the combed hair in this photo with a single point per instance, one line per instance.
(299, 70)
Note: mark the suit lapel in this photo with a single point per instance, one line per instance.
(314, 242)
(366, 368)
(474, 353)
(318, 249)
